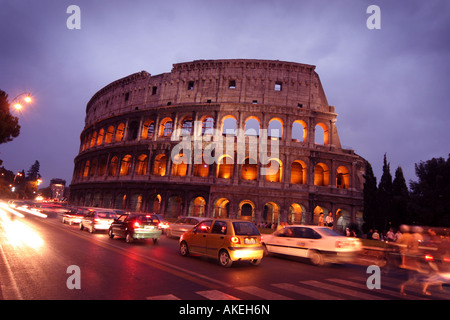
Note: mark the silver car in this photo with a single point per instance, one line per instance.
(183, 224)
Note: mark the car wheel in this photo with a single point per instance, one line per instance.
(255, 262)
(316, 258)
(92, 230)
(224, 259)
(81, 226)
(129, 238)
(184, 250)
(155, 240)
(110, 233)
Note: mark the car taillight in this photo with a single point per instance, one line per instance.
(96, 220)
(429, 257)
(446, 259)
(136, 224)
(235, 240)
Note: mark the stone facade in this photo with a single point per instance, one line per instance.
(127, 160)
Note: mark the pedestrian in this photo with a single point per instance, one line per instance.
(329, 220)
(376, 235)
(390, 236)
(321, 221)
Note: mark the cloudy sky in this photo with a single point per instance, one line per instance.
(390, 86)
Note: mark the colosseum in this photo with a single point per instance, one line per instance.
(241, 138)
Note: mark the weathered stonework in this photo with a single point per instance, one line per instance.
(131, 128)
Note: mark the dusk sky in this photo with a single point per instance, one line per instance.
(390, 86)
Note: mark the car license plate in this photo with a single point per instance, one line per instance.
(249, 240)
(148, 227)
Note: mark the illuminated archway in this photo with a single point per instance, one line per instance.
(321, 175)
(342, 178)
(298, 172)
(221, 208)
(321, 134)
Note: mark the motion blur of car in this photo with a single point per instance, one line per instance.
(224, 239)
(74, 216)
(97, 220)
(318, 244)
(183, 224)
(135, 226)
(163, 224)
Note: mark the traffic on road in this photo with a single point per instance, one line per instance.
(309, 262)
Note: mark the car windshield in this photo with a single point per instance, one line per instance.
(146, 219)
(245, 229)
(328, 232)
(106, 215)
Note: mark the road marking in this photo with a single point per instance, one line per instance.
(262, 293)
(348, 292)
(306, 292)
(385, 291)
(216, 295)
(152, 262)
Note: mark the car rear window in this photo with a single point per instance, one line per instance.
(106, 215)
(245, 229)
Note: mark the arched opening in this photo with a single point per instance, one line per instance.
(174, 207)
(246, 210)
(274, 170)
(342, 178)
(251, 127)
(160, 164)
(187, 126)
(125, 165)
(298, 172)
(113, 166)
(197, 207)
(208, 126)
(225, 167)
(221, 208)
(275, 129)
(201, 169)
(295, 214)
(156, 204)
(120, 132)
(271, 213)
(166, 128)
(109, 134)
(87, 166)
(100, 136)
(141, 165)
(148, 129)
(179, 166)
(249, 169)
(133, 130)
(299, 132)
(319, 213)
(93, 139)
(321, 175)
(229, 125)
(321, 134)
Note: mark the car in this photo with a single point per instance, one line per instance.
(318, 244)
(74, 215)
(227, 240)
(133, 226)
(163, 224)
(97, 220)
(183, 224)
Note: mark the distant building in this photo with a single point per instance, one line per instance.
(129, 154)
(57, 187)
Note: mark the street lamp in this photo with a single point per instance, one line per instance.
(17, 102)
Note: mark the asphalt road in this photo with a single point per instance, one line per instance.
(37, 256)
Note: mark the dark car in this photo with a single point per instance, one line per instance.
(135, 226)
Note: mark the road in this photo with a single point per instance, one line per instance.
(36, 252)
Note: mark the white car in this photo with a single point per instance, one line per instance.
(318, 244)
(183, 224)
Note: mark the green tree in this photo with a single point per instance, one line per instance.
(370, 197)
(400, 199)
(385, 197)
(430, 195)
(9, 125)
(33, 172)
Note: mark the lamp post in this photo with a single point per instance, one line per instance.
(17, 101)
